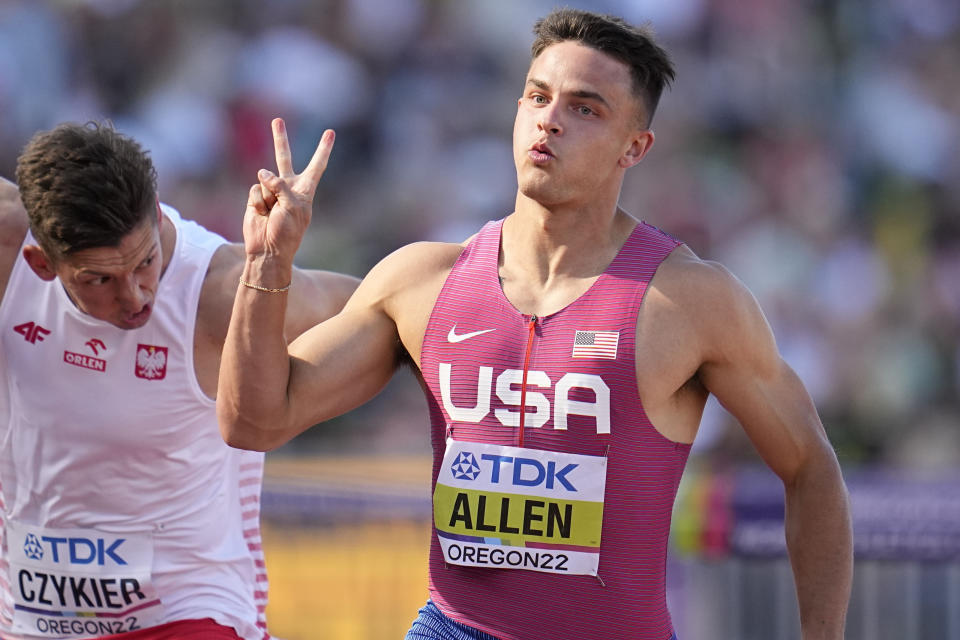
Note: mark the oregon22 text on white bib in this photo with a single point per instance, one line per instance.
(79, 583)
(516, 508)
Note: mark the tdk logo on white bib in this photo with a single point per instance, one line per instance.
(79, 583)
(73, 550)
(476, 466)
(515, 471)
(465, 467)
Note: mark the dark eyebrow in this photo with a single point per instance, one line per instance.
(582, 93)
(539, 84)
(154, 252)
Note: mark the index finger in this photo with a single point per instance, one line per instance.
(318, 163)
(281, 147)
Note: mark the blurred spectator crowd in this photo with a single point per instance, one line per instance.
(810, 146)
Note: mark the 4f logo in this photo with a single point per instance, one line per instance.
(31, 332)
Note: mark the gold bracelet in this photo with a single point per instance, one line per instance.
(265, 289)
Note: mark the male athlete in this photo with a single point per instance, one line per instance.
(123, 511)
(566, 351)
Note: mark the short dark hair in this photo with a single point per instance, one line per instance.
(84, 186)
(650, 65)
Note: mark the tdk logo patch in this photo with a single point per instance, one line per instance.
(32, 547)
(465, 467)
(74, 550)
(515, 471)
(528, 472)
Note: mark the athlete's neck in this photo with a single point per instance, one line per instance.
(563, 240)
(548, 258)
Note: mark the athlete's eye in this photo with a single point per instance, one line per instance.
(584, 110)
(538, 99)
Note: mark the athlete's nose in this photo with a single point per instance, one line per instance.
(131, 293)
(549, 120)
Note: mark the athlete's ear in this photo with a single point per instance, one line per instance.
(640, 145)
(39, 262)
(159, 212)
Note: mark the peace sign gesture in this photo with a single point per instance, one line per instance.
(279, 207)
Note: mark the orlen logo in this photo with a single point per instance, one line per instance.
(507, 389)
(87, 362)
(95, 345)
(74, 550)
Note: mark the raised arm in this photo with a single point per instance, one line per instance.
(13, 228)
(266, 395)
(318, 295)
(744, 370)
(314, 296)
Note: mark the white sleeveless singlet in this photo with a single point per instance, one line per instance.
(121, 505)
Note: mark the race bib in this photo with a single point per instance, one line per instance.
(69, 583)
(516, 508)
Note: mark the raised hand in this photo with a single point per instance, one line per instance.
(279, 207)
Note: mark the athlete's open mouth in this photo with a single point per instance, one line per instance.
(540, 153)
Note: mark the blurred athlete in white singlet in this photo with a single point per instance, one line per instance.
(123, 511)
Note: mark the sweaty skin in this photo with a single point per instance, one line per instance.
(699, 330)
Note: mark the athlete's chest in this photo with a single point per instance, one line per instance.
(489, 366)
(74, 380)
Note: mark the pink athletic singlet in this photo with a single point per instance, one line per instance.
(558, 529)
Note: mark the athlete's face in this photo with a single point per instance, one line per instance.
(578, 125)
(116, 284)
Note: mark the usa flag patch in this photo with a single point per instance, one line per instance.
(596, 344)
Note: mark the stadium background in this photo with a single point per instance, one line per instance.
(810, 146)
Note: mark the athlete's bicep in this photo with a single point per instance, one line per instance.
(314, 297)
(746, 373)
(341, 363)
(346, 360)
(775, 411)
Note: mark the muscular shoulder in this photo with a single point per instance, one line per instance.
(404, 287)
(409, 275)
(697, 283)
(13, 228)
(218, 291)
(718, 312)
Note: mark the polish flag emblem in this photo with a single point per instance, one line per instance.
(151, 362)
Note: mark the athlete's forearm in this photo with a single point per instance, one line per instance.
(252, 399)
(820, 544)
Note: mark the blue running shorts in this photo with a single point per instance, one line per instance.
(431, 624)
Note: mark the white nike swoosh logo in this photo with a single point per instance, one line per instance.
(454, 337)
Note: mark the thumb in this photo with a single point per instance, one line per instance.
(273, 186)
